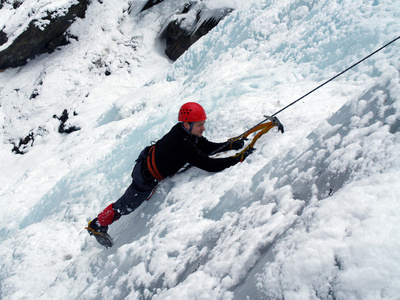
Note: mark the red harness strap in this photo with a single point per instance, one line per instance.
(152, 193)
(151, 164)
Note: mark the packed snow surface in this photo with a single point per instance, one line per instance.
(313, 213)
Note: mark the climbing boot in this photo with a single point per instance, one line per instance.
(100, 233)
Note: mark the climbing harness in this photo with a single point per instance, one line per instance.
(151, 164)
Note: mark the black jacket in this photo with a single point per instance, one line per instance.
(179, 147)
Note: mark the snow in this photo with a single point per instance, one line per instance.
(312, 214)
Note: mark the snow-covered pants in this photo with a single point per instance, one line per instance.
(131, 199)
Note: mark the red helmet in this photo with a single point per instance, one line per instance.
(191, 112)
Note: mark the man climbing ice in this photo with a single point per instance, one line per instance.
(183, 144)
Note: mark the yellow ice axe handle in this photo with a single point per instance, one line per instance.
(262, 128)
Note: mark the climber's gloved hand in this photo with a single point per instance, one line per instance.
(237, 144)
(246, 153)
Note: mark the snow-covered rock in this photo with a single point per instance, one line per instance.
(30, 28)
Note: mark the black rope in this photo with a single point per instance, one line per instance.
(310, 92)
(336, 76)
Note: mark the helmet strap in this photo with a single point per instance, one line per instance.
(191, 127)
(190, 130)
(184, 128)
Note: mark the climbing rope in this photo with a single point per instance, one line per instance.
(265, 127)
(336, 76)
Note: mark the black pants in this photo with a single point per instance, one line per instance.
(130, 200)
(140, 189)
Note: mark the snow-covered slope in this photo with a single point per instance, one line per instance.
(312, 214)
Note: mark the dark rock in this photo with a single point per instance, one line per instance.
(23, 144)
(3, 38)
(34, 94)
(34, 40)
(64, 128)
(17, 4)
(150, 4)
(179, 38)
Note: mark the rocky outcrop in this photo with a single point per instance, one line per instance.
(185, 28)
(22, 145)
(40, 36)
(150, 4)
(64, 127)
(50, 32)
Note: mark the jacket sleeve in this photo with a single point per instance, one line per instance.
(209, 147)
(200, 159)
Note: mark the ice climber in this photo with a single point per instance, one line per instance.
(183, 144)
